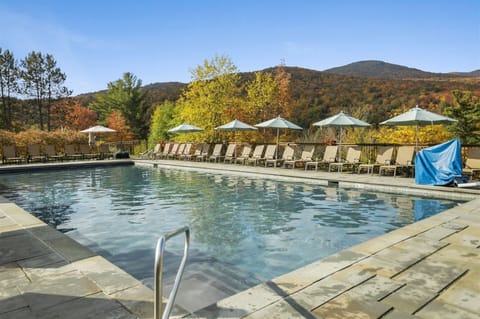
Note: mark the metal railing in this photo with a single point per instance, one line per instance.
(158, 272)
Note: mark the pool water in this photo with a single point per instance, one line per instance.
(257, 228)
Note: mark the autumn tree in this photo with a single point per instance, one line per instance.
(162, 120)
(466, 110)
(261, 94)
(126, 96)
(43, 81)
(80, 117)
(212, 97)
(283, 97)
(116, 121)
(9, 76)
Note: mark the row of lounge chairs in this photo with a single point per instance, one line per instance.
(266, 155)
(37, 153)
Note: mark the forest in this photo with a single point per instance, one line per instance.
(33, 97)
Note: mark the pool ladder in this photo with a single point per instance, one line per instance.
(158, 271)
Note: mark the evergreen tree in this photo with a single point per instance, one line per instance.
(466, 110)
(9, 77)
(126, 96)
(43, 81)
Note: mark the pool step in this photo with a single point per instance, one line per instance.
(206, 281)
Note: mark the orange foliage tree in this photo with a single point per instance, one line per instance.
(116, 121)
(80, 118)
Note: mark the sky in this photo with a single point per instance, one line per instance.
(95, 41)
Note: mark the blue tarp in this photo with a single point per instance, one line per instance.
(439, 164)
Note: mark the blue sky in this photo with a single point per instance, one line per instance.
(95, 42)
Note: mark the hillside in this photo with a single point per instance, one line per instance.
(317, 94)
(384, 70)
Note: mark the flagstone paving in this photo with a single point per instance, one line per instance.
(430, 269)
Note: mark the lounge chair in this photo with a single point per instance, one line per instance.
(288, 155)
(186, 152)
(270, 153)
(384, 157)
(180, 150)
(306, 156)
(105, 152)
(216, 154)
(156, 151)
(197, 152)
(71, 152)
(256, 156)
(247, 149)
(34, 154)
(164, 153)
(472, 162)
(402, 161)
(204, 154)
(173, 151)
(88, 152)
(230, 153)
(51, 154)
(351, 160)
(10, 155)
(329, 156)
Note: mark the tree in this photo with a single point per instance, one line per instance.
(80, 118)
(162, 121)
(126, 96)
(54, 79)
(8, 85)
(284, 97)
(116, 121)
(212, 97)
(466, 110)
(261, 93)
(43, 81)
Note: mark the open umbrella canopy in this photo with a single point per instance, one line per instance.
(236, 125)
(185, 128)
(341, 120)
(418, 116)
(279, 122)
(98, 129)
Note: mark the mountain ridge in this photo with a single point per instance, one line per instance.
(386, 70)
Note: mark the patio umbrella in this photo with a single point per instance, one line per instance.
(185, 128)
(96, 129)
(418, 117)
(235, 126)
(279, 123)
(341, 120)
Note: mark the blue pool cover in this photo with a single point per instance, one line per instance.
(440, 164)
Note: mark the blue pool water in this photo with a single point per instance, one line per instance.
(260, 228)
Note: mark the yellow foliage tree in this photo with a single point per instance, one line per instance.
(211, 99)
(430, 134)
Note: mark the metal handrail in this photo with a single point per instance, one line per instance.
(158, 271)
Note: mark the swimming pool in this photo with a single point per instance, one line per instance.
(244, 229)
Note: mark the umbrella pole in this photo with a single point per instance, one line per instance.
(276, 150)
(340, 153)
(416, 137)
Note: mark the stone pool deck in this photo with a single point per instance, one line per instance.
(430, 269)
